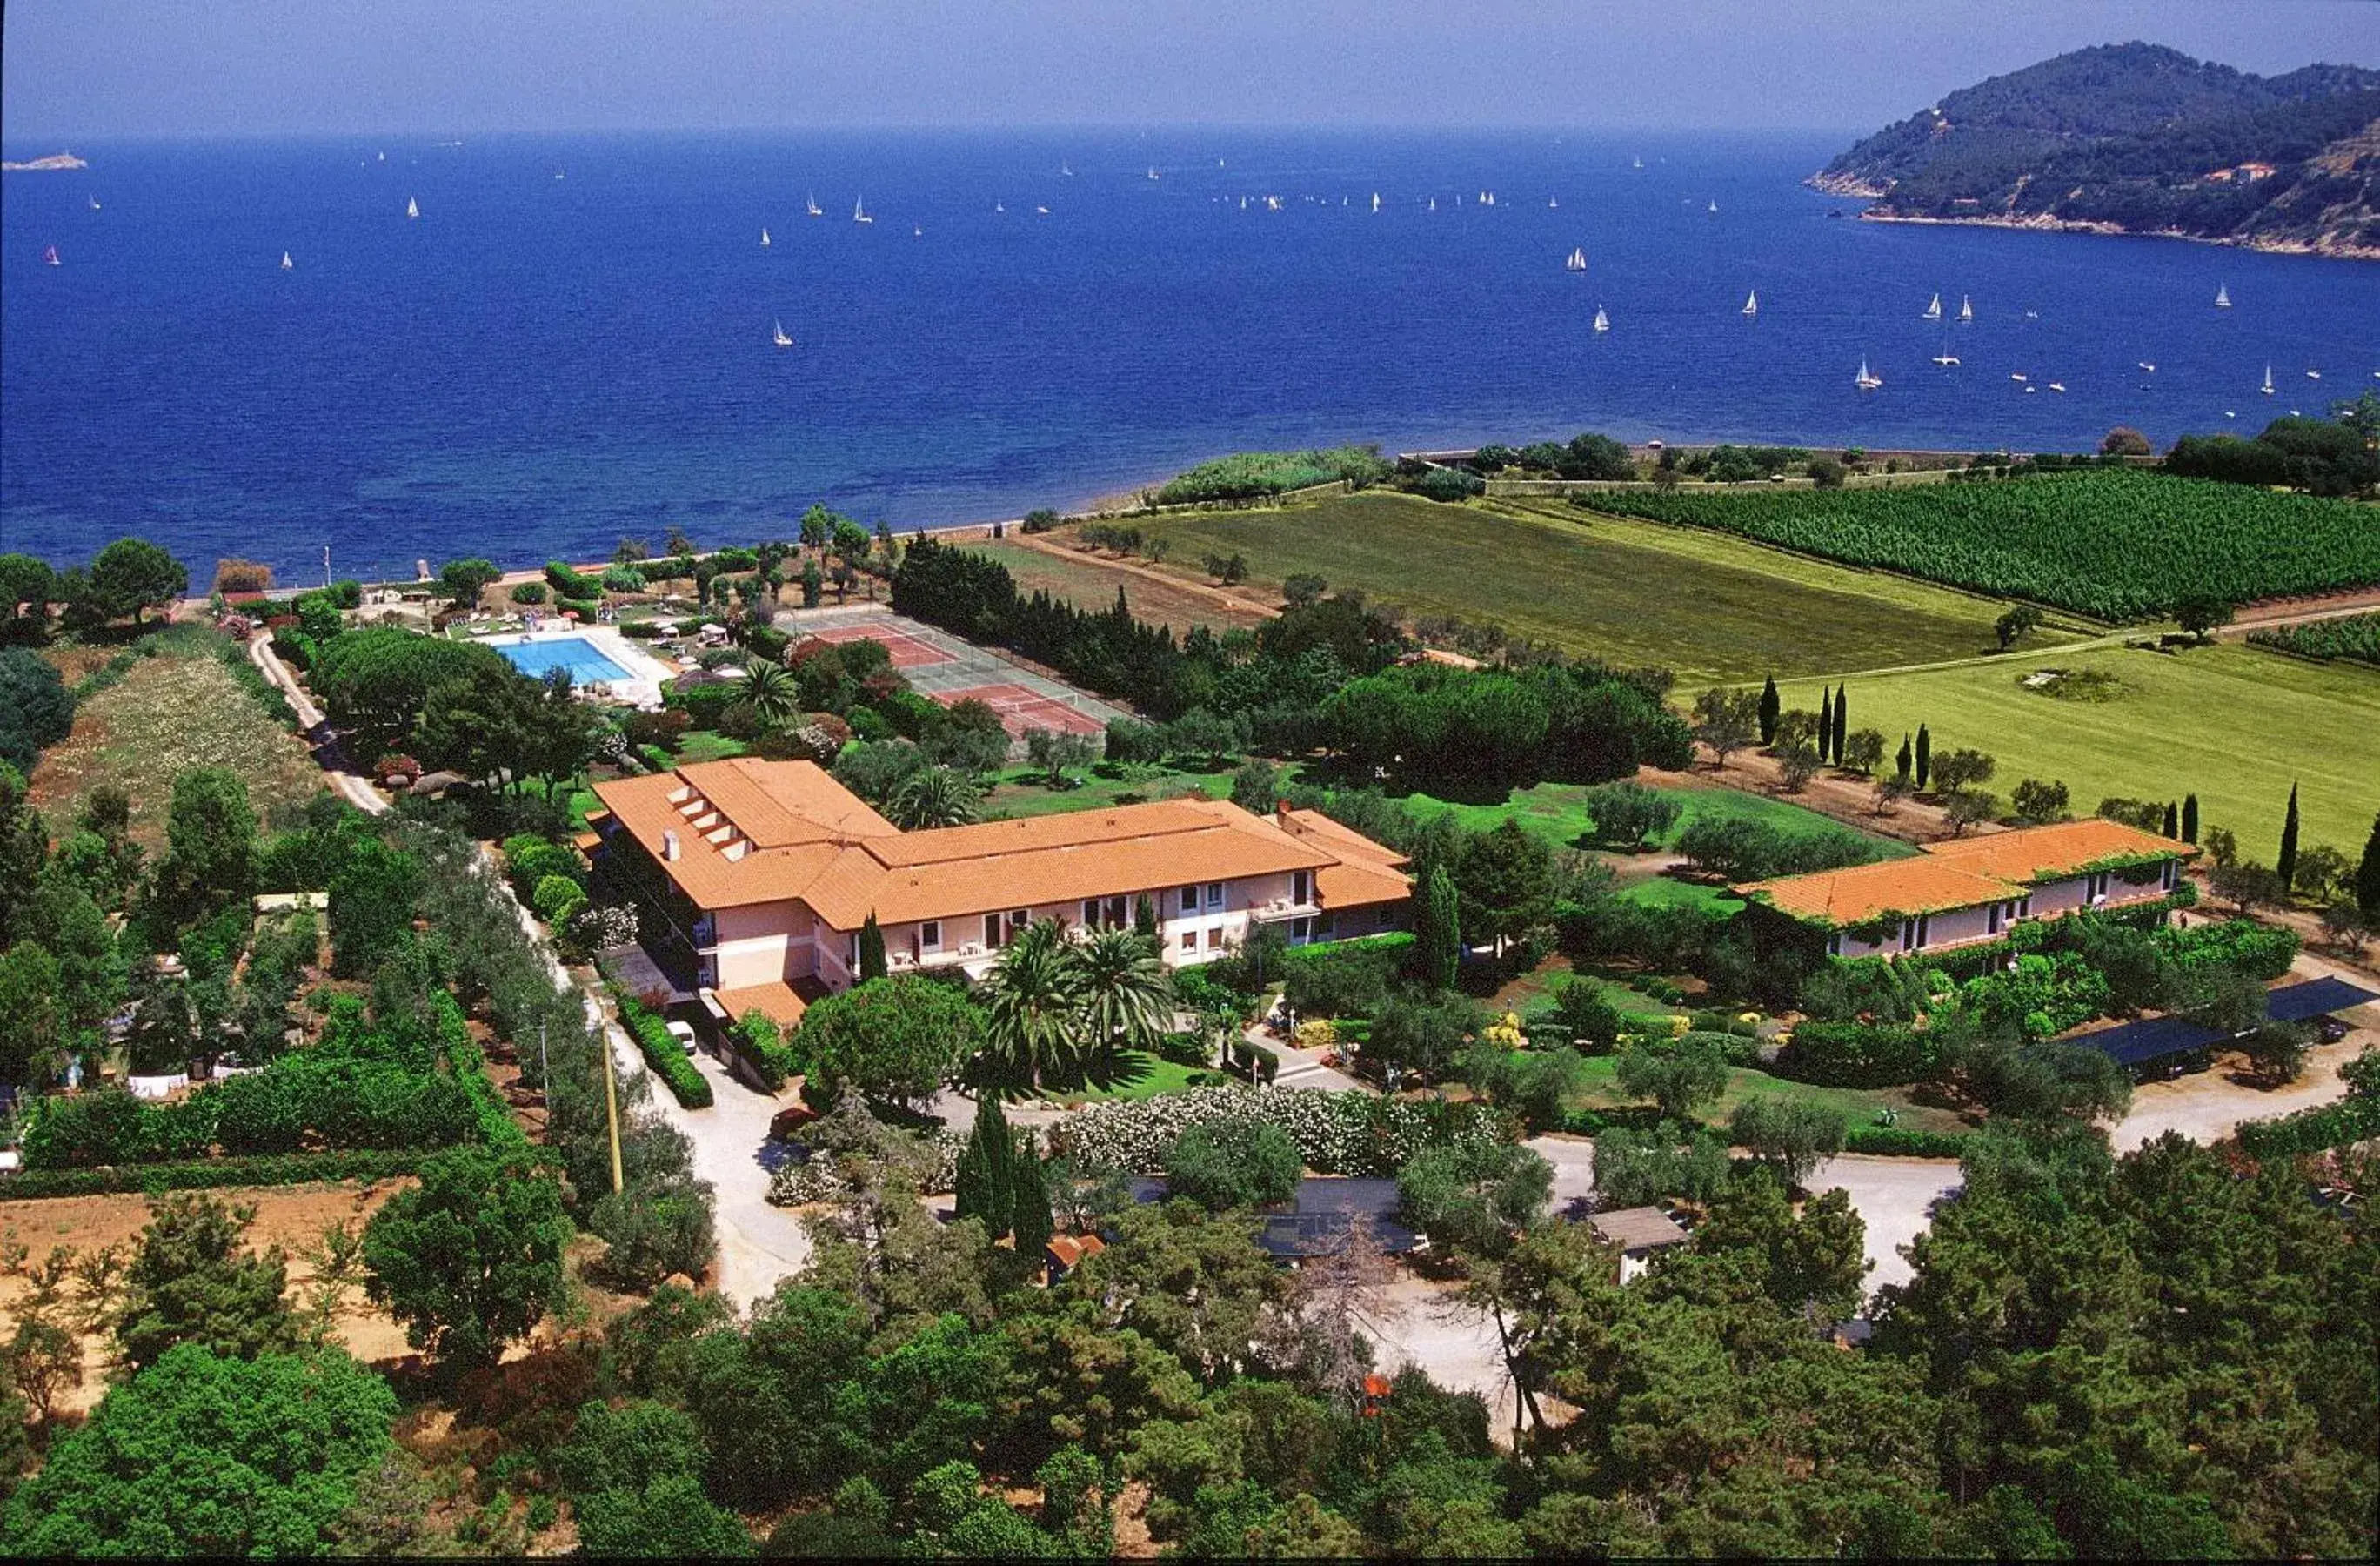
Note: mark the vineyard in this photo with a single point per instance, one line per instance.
(2114, 544)
(2355, 638)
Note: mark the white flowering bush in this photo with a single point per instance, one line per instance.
(1335, 1133)
(606, 928)
(795, 1184)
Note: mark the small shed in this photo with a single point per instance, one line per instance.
(1641, 1233)
(1066, 1252)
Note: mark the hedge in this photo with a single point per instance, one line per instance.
(1851, 1054)
(2347, 1122)
(756, 1037)
(664, 1053)
(203, 1174)
(1335, 1133)
(1903, 1142)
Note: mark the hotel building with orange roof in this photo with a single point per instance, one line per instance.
(753, 878)
(1970, 891)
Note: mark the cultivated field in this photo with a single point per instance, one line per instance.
(176, 710)
(2232, 724)
(1708, 607)
(2113, 543)
(1091, 581)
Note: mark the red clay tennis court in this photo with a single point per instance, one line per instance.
(908, 652)
(1020, 709)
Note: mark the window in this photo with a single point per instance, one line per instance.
(1215, 939)
(990, 931)
(1301, 885)
(929, 935)
(2024, 907)
(851, 953)
(1189, 899)
(1189, 941)
(1119, 913)
(1922, 920)
(1092, 912)
(1214, 894)
(1992, 919)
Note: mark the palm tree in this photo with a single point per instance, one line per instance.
(932, 797)
(769, 692)
(1032, 1017)
(1126, 1000)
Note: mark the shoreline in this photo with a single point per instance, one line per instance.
(2047, 225)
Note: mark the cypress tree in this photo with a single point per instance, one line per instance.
(1825, 736)
(2367, 875)
(1437, 931)
(987, 1179)
(1770, 709)
(2285, 864)
(2190, 818)
(1903, 758)
(1925, 755)
(2172, 817)
(871, 950)
(1842, 719)
(1144, 917)
(1028, 1202)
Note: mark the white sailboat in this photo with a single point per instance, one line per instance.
(287, 265)
(1751, 302)
(1433, 203)
(782, 340)
(1553, 203)
(1946, 357)
(2222, 295)
(917, 231)
(1063, 171)
(1934, 310)
(2018, 376)
(810, 205)
(1966, 310)
(1040, 212)
(764, 238)
(859, 212)
(1867, 379)
(998, 208)
(412, 207)
(2313, 374)
(2148, 368)
(1714, 207)
(2057, 385)
(2268, 379)
(1636, 162)
(1575, 260)
(1376, 201)
(95, 203)
(1602, 321)
(1152, 171)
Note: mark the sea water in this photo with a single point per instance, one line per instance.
(572, 342)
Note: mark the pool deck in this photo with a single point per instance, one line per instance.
(646, 674)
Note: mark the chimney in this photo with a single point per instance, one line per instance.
(1280, 811)
(669, 845)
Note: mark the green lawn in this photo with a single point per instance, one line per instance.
(707, 744)
(1134, 1075)
(1856, 1105)
(1020, 791)
(2233, 724)
(1708, 606)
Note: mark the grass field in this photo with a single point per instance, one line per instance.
(1709, 607)
(1134, 1074)
(1557, 813)
(1856, 1105)
(1019, 792)
(173, 710)
(2232, 724)
(1091, 582)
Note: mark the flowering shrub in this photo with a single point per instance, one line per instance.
(1335, 1133)
(606, 928)
(394, 770)
(1319, 1034)
(798, 1183)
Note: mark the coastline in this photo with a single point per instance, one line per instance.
(2047, 223)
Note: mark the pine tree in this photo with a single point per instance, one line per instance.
(987, 1179)
(2172, 817)
(1924, 756)
(1029, 1203)
(1842, 720)
(1825, 734)
(2190, 818)
(2367, 875)
(871, 950)
(1437, 931)
(1903, 758)
(1770, 709)
(2285, 864)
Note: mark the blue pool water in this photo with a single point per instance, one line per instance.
(538, 366)
(574, 653)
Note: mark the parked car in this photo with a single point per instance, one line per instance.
(683, 1034)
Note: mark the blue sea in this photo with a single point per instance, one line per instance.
(573, 342)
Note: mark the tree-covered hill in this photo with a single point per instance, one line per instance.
(2140, 139)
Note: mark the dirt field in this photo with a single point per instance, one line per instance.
(1091, 581)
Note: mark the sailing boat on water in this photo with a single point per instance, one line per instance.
(412, 207)
(1152, 171)
(1714, 207)
(95, 203)
(1553, 203)
(1966, 310)
(859, 212)
(1866, 380)
(1575, 260)
(287, 265)
(1376, 201)
(781, 339)
(764, 238)
(1751, 302)
(2222, 295)
(50, 257)
(1602, 321)
(810, 205)
(1063, 171)
(2268, 376)
(1934, 310)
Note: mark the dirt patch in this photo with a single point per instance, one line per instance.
(1158, 596)
(1849, 801)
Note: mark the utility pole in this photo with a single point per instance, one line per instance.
(610, 1106)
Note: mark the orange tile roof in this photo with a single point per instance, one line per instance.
(754, 832)
(1068, 1250)
(1960, 874)
(776, 1001)
(2030, 853)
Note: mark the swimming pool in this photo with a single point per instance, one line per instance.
(574, 653)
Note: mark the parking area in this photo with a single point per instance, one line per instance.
(949, 669)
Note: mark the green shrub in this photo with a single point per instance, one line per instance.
(570, 584)
(528, 592)
(556, 896)
(1852, 1055)
(205, 1174)
(760, 1041)
(1903, 1142)
(663, 1053)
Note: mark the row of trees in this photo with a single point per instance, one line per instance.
(126, 580)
